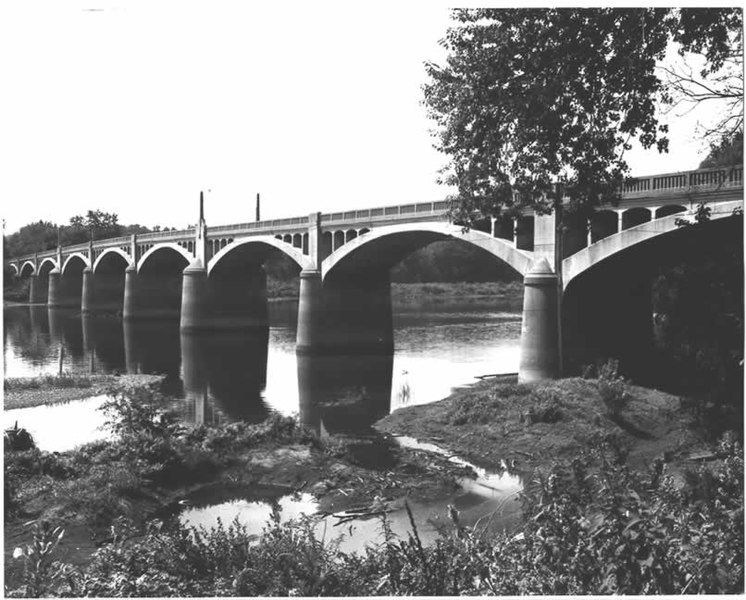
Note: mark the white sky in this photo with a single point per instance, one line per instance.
(136, 107)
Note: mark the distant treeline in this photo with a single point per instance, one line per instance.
(43, 235)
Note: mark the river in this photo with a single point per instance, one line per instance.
(229, 376)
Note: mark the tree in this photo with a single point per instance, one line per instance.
(534, 105)
(720, 81)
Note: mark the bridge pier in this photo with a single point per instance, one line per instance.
(130, 305)
(194, 299)
(54, 295)
(539, 334)
(310, 332)
(34, 295)
(86, 292)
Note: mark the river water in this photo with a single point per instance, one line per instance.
(229, 376)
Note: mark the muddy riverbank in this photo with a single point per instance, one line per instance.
(532, 426)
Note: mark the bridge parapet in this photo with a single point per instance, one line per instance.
(684, 187)
(699, 180)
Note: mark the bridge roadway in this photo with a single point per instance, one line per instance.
(212, 277)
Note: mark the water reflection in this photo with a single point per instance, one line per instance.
(344, 394)
(226, 374)
(247, 374)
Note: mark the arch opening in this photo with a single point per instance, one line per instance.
(71, 281)
(243, 277)
(159, 280)
(603, 224)
(357, 278)
(669, 209)
(108, 281)
(42, 280)
(609, 309)
(635, 216)
(27, 269)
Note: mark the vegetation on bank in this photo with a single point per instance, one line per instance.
(596, 520)
(25, 392)
(530, 425)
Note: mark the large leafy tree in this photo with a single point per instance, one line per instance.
(536, 105)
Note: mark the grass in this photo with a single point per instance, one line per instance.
(534, 424)
(66, 380)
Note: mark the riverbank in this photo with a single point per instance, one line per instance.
(25, 392)
(153, 467)
(119, 502)
(531, 426)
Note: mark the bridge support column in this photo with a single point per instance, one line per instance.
(33, 289)
(53, 295)
(130, 304)
(539, 335)
(194, 298)
(86, 293)
(309, 337)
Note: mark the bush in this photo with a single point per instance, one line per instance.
(612, 388)
(591, 527)
(546, 407)
(18, 439)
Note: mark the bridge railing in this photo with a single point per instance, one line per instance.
(654, 185)
(699, 179)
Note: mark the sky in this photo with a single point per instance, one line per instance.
(134, 107)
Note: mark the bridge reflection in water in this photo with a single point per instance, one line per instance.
(216, 377)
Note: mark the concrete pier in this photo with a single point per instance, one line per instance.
(86, 292)
(539, 334)
(54, 293)
(310, 332)
(194, 299)
(131, 304)
(33, 289)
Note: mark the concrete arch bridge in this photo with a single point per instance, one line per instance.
(213, 277)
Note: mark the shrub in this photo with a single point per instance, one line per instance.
(545, 407)
(612, 388)
(18, 439)
(591, 526)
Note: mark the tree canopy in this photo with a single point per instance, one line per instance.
(534, 105)
(43, 235)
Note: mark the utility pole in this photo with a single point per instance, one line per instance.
(257, 207)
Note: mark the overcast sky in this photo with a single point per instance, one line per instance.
(136, 106)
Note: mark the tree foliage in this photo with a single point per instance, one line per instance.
(44, 235)
(534, 105)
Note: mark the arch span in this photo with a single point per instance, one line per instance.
(15, 268)
(385, 246)
(43, 265)
(78, 255)
(30, 271)
(267, 240)
(160, 247)
(118, 251)
(581, 261)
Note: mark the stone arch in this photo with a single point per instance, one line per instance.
(115, 250)
(14, 266)
(295, 253)
(161, 247)
(79, 256)
(385, 246)
(581, 261)
(24, 272)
